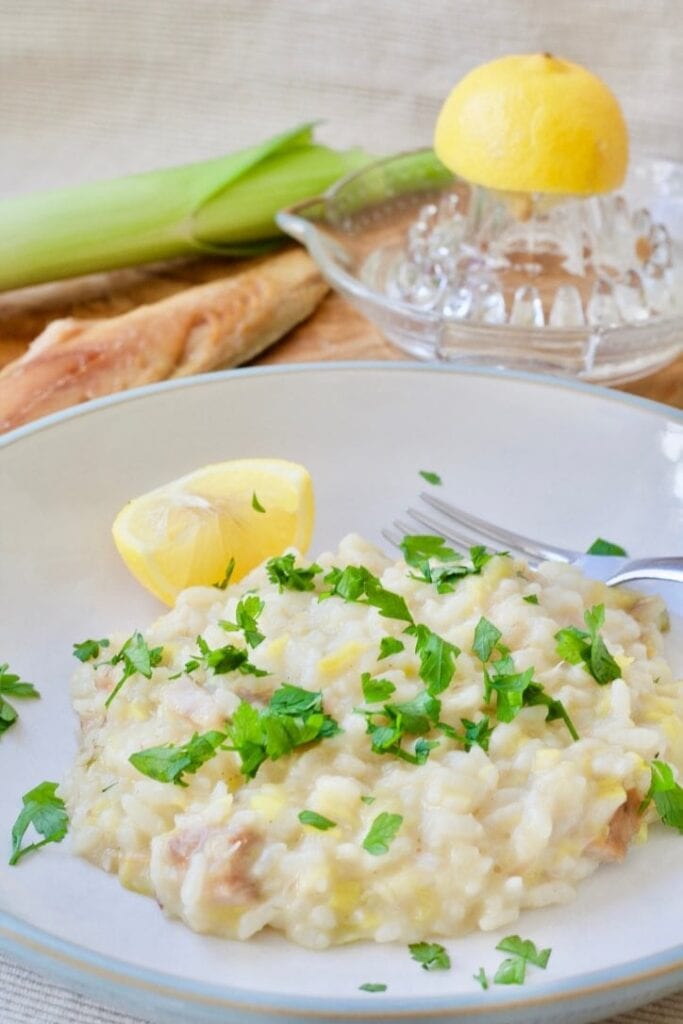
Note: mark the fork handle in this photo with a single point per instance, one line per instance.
(649, 569)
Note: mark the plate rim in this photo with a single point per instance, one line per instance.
(356, 365)
(67, 961)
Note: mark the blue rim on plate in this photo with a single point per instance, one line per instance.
(109, 977)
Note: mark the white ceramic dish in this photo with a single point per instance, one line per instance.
(564, 462)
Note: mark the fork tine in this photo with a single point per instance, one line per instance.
(392, 536)
(463, 536)
(512, 541)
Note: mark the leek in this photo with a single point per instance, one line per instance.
(226, 205)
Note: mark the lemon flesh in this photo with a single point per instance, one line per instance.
(185, 533)
(534, 123)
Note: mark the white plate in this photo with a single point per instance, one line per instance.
(563, 462)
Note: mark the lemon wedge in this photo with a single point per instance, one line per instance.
(186, 533)
(534, 123)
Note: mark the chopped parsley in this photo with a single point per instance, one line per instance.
(368, 800)
(292, 718)
(431, 478)
(666, 794)
(376, 690)
(8, 715)
(513, 690)
(390, 645)
(512, 971)
(422, 551)
(136, 657)
(12, 685)
(289, 576)
(227, 575)
(247, 612)
(169, 763)
(482, 978)
(373, 986)
(356, 583)
(476, 733)
(315, 820)
(578, 646)
(437, 658)
(486, 636)
(46, 812)
(256, 504)
(88, 649)
(531, 599)
(600, 546)
(390, 725)
(222, 660)
(432, 956)
(382, 833)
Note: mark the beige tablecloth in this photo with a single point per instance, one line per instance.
(91, 88)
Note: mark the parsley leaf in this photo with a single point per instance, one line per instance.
(531, 599)
(600, 546)
(481, 977)
(376, 690)
(137, 657)
(389, 645)
(578, 646)
(294, 700)
(373, 986)
(382, 833)
(292, 718)
(356, 583)
(422, 550)
(431, 478)
(368, 800)
(514, 690)
(509, 687)
(512, 971)
(486, 636)
(229, 570)
(8, 715)
(88, 649)
(169, 763)
(46, 812)
(418, 548)
(247, 612)
(535, 695)
(13, 686)
(437, 658)
(666, 794)
(289, 576)
(256, 504)
(222, 660)
(432, 956)
(477, 733)
(315, 820)
(525, 949)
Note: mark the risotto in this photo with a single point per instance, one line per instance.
(371, 753)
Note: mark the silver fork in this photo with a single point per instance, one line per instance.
(462, 528)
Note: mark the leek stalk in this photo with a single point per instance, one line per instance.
(225, 205)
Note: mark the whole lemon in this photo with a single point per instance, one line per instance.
(534, 123)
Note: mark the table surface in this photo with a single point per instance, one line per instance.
(335, 332)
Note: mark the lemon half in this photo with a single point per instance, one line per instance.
(185, 533)
(534, 123)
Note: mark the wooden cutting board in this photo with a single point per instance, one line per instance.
(336, 331)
